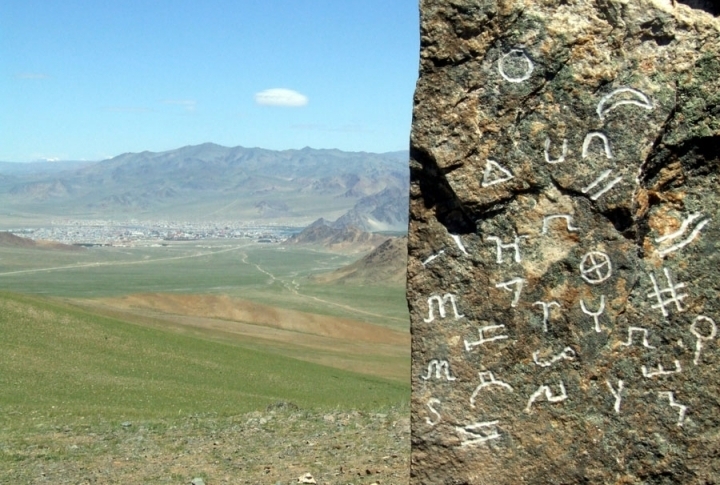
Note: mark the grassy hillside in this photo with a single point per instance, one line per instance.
(59, 363)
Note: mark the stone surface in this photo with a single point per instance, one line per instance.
(563, 272)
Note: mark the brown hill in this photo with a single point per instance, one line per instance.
(385, 264)
(8, 239)
(346, 239)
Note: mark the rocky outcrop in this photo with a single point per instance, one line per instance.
(563, 256)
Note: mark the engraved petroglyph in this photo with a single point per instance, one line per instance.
(549, 396)
(674, 235)
(441, 306)
(487, 379)
(520, 71)
(671, 291)
(477, 433)
(566, 354)
(561, 158)
(459, 244)
(430, 404)
(660, 370)
(482, 339)
(600, 136)
(596, 314)
(595, 267)
(546, 305)
(440, 367)
(495, 174)
(568, 222)
(433, 257)
(499, 245)
(598, 181)
(610, 101)
(616, 393)
(518, 283)
(633, 330)
(700, 337)
(681, 408)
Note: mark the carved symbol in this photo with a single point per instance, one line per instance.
(495, 174)
(596, 314)
(682, 408)
(522, 73)
(433, 402)
(441, 307)
(639, 100)
(482, 338)
(500, 246)
(660, 370)
(644, 331)
(671, 290)
(561, 158)
(589, 138)
(568, 221)
(545, 390)
(459, 243)
(566, 354)
(599, 180)
(546, 311)
(477, 433)
(440, 366)
(617, 394)
(595, 267)
(519, 283)
(431, 258)
(491, 381)
(701, 337)
(680, 232)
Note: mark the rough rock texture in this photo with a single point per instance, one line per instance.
(564, 268)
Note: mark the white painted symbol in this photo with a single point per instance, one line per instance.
(433, 257)
(637, 99)
(546, 311)
(491, 381)
(598, 181)
(700, 337)
(617, 394)
(459, 243)
(495, 174)
(595, 267)
(566, 354)
(477, 433)
(596, 314)
(499, 245)
(674, 235)
(682, 408)
(561, 158)
(671, 290)
(589, 138)
(660, 370)
(568, 222)
(522, 73)
(644, 331)
(519, 283)
(549, 396)
(440, 367)
(483, 339)
(441, 306)
(433, 402)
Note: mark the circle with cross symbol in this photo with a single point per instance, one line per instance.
(595, 267)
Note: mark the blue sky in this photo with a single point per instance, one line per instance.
(91, 79)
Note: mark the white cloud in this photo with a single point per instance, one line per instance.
(186, 104)
(281, 97)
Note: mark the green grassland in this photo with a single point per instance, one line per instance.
(63, 364)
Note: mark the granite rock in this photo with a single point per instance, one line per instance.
(563, 268)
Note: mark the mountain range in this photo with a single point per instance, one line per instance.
(211, 182)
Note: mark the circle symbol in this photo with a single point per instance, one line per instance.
(514, 61)
(595, 267)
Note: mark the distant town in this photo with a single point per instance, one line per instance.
(134, 232)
